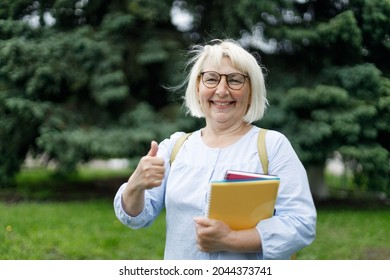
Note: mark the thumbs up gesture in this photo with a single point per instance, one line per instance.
(150, 170)
(153, 149)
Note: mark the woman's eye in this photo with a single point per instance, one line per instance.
(233, 81)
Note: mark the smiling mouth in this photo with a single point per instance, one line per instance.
(222, 104)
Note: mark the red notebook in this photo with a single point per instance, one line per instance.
(242, 175)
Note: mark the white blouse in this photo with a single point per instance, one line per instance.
(184, 195)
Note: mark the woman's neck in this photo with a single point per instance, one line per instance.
(221, 137)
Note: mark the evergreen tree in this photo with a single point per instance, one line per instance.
(327, 77)
(331, 88)
(83, 79)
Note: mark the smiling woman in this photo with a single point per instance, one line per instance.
(225, 86)
(224, 98)
(240, 61)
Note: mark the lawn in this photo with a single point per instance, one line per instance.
(74, 231)
(51, 218)
(350, 234)
(89, 230)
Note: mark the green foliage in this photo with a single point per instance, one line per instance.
(80, 144)
(41, 86)
(320, 97)
(335, 102)
(384, 112)
(337, 40)
(370, 166)
(341, 31)
(66, 88)
(366, 86)
(85, 80)
(362, 81)
(375, 18)
(313, 117)
(344, 115)
(16, 133)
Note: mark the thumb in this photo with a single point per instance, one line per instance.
(201, 221)
(153, 149)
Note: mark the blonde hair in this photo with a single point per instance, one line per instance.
(240, 59)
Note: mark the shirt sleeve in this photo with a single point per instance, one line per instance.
(294, 224)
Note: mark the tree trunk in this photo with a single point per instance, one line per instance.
(316, 176)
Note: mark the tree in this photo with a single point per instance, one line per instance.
(83, 79)
(86, 79)
(326, 74)
(332, 104)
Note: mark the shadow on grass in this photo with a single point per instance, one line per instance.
(48, 186)
(368, 203)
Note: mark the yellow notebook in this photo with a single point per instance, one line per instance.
(242, 204)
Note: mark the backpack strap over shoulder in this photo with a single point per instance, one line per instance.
(262, 150)
(177, 146)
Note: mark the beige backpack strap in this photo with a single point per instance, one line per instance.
(177, 146)
(262, 150)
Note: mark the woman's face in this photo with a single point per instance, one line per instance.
(222, 104)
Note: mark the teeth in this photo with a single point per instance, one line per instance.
(222, 103)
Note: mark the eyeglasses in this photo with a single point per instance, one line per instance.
(211, 79)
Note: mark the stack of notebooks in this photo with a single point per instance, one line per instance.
(243, 199)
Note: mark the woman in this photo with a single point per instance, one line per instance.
(226, 87)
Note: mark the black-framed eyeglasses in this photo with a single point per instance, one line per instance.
(211, 79)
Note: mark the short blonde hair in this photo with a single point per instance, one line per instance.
(240, 59)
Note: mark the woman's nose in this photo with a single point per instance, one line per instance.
(222, 88)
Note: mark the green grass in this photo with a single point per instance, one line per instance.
(74, 230)
(89, 230)
(48, 217)
(350, 234)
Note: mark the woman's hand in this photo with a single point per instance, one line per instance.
(150, 170)
(148, 174)
(214, 236)
(211, 235)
